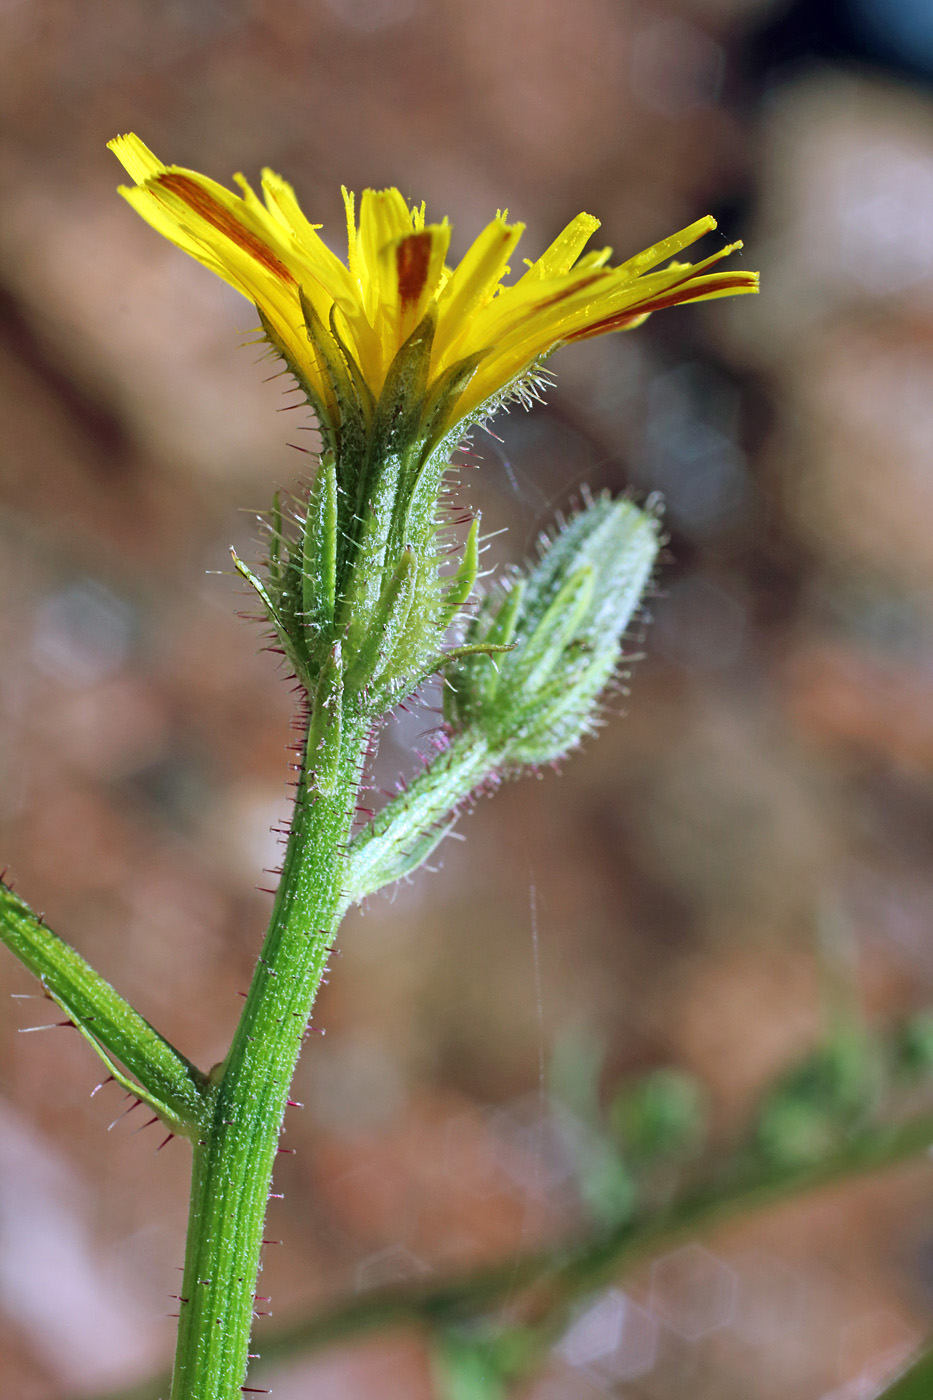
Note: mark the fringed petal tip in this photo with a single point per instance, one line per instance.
(136, 158)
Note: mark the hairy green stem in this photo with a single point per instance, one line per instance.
(174, 1087)
(410, 828)
(568, 1271)
(235, 1155)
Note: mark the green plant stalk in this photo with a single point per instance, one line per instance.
(174, 1087)
(407, 831)
(235, 1155)
(568, 1271)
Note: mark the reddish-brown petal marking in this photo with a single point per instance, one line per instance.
(412, 260)
(571, 290)
(619, 322)
(675, 296)
(198, 199)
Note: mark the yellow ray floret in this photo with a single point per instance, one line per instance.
(487, 334)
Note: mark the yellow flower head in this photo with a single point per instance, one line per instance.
(341, 327)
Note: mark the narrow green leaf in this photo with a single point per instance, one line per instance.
(398, 857)
(396, 418)
(557, 627)
(489, 649)
(329, 429)
(362, 390)
(158, 1103)
(330, 359)
(259, 587)
(916, 1383)
(467, 1369)
(502, 629)
(375, 652)
(174, 1087)
(438, 409)
(570, 621)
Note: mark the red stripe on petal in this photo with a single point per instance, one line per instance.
(198, 199)
(577, 286)
(675, 296)
(690, 292)
(412, 260)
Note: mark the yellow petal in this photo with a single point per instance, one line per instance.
(660, 252)
(565, 250)
(474, 282)
(414, 268)
(135, 157)
(395, 275)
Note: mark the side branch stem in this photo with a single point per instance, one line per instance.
(235, 1156)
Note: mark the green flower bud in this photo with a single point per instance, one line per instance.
(525, 686)
(565, 622)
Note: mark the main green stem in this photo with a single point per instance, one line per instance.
(235, 1156)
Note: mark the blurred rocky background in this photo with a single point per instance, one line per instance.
(773, 765)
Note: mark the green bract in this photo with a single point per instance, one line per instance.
(565, 622)
(357, 598)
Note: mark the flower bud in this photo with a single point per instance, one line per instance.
(565, 621)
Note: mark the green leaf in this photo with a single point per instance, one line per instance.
(173, 1087)
(333, 359)
(466, 1372)
(262, 592)
(275, 541)
(475, 649)
(916, 1383)
(395, 422)
(293, 639)
(397, 857)
(814, 1107)
(913, 1048)
(662, 1117)
(376, 648)
(562, 622)
(438, 410)
(364, 395)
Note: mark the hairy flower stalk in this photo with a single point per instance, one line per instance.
(398, 353)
